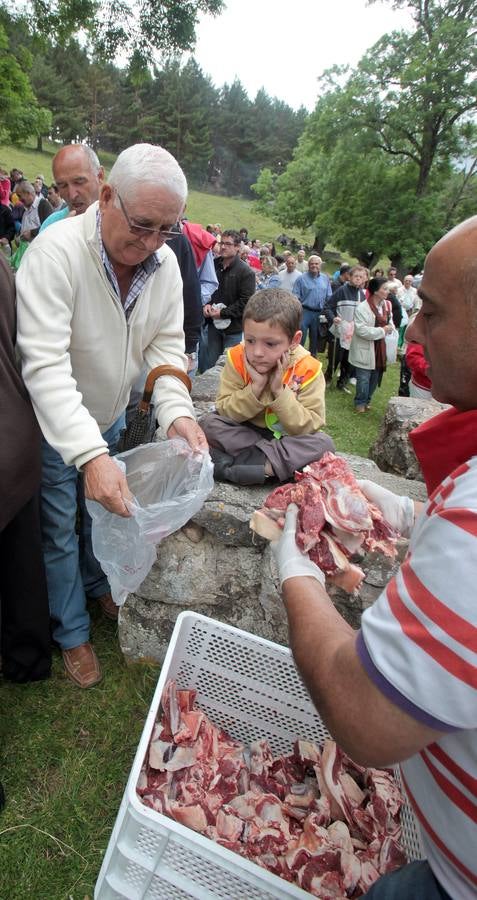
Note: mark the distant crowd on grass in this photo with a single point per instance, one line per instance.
(212, 270)
(218, 282)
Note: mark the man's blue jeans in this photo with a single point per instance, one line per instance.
(413, 882)
(218, 342)
(310, 324)
(72, 571)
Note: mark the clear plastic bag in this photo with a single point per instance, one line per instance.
(391, 346)
(169, 484)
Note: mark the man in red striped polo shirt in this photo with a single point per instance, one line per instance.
(404, 688)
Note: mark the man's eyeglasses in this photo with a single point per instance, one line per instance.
(142, 231)
(228, 244)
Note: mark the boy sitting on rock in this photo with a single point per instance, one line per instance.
(271, 399)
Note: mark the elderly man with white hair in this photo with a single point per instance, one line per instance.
(37, 209)
(313, 289)
(99, 298)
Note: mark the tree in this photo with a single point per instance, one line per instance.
(393, 128)
(265, 188)
(114, 26)
(20, 114)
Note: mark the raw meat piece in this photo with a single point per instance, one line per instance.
(329, 782)
(192, 816)
(169, 757)
(306, 752)
(334, 563)
(369, 874)
(283, 495)
(264, 525)
(344, 505)
(228, 826)
(391, 856)
(313, 817)
(350, 870)
(334, 520)
(261, 757)
(327, 887)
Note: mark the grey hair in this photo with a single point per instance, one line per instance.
(93, 158)
(87, 151)
(25, 186)
(147, 164)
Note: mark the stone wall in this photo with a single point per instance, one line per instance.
(218, 567)
(392, 450)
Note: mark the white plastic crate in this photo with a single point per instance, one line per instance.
(250, 687)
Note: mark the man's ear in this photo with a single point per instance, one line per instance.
(296, 340)
(105, 196)
(101, 175)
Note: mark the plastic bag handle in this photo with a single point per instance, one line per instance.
(151, 379)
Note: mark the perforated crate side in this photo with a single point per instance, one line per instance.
(411, 836)
(247, 685)
(158, 858)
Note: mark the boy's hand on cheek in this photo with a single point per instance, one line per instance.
(259, 380)
(276, 375)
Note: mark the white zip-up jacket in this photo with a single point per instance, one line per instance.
(79, 355)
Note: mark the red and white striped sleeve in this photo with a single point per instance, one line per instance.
(418, 642)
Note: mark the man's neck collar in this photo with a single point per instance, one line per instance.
(226, 263)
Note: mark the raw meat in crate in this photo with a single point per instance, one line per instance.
(334, 521)
(313, 817)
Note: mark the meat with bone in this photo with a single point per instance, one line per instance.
(334, 519)
(314, 817)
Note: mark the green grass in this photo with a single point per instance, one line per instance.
(351, 432)
(66, 753)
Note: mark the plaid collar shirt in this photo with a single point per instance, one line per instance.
(143, 271)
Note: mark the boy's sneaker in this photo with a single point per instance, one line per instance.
(221, 462)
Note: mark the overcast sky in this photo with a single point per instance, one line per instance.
(284, 46)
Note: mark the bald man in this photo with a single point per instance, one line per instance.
(78, 176)
(403, 688)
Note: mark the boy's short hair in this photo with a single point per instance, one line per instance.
(277, 306)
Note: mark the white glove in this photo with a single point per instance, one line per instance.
(398, 511)
(290, 560)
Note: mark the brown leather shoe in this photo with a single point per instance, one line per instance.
(108, 607)
(82, 665)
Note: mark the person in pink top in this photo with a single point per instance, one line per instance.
(403, 689)
(4, 187)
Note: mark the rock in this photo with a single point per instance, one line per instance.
(225, 571)
(204, 388)
(392, 449)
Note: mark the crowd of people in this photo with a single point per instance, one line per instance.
(116, 282)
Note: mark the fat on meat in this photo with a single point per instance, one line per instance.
(335, 520)
(313, 817)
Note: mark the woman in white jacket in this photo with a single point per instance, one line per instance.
(367, 352)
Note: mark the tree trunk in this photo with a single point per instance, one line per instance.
(397, 263)
(39, 143)
(319, 243)
(367, 258)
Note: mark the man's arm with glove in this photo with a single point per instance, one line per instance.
(291, 562)
(368, 726)
(400, 512)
